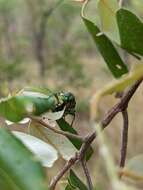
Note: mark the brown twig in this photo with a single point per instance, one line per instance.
(124, 138)
(54, 129)
(77, 158)
(87, 174)
(67, 166)
(121, 106)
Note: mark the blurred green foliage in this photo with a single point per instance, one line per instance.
(67, 64)
(20, 25)
(9, 70)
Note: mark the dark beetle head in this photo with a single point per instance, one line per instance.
(68, 101)
(68, 98)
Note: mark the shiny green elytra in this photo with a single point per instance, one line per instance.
(30, 102)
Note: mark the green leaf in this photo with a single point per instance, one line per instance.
(64, 126)
(5, 183)
(18, 166)
(131, 31)
(107, 50)
(74, 181)
(46, 153)
(76, 142)
(107, 12)
(115, 86)
(68, 187)
(60, 142)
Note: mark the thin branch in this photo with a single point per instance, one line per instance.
(85, 146)
(55, 130)
(124, 138)
(121, 106)
(78, 157)
(87, 174)
(67, 167)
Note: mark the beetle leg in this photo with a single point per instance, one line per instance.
(73, 119)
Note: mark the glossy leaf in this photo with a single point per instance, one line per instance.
(107, 12)
(107, 50)
(131, 31)
(54, 115)
(43, 151)
(18, 166)
(64, 126)
(60, 142)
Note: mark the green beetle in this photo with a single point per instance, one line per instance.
(67, 100)
(35, 102)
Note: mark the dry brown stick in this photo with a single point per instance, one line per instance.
(87, 174)
(124, 138)
(55, 130)
(67, 166)
(119, 107)
(78, 157)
